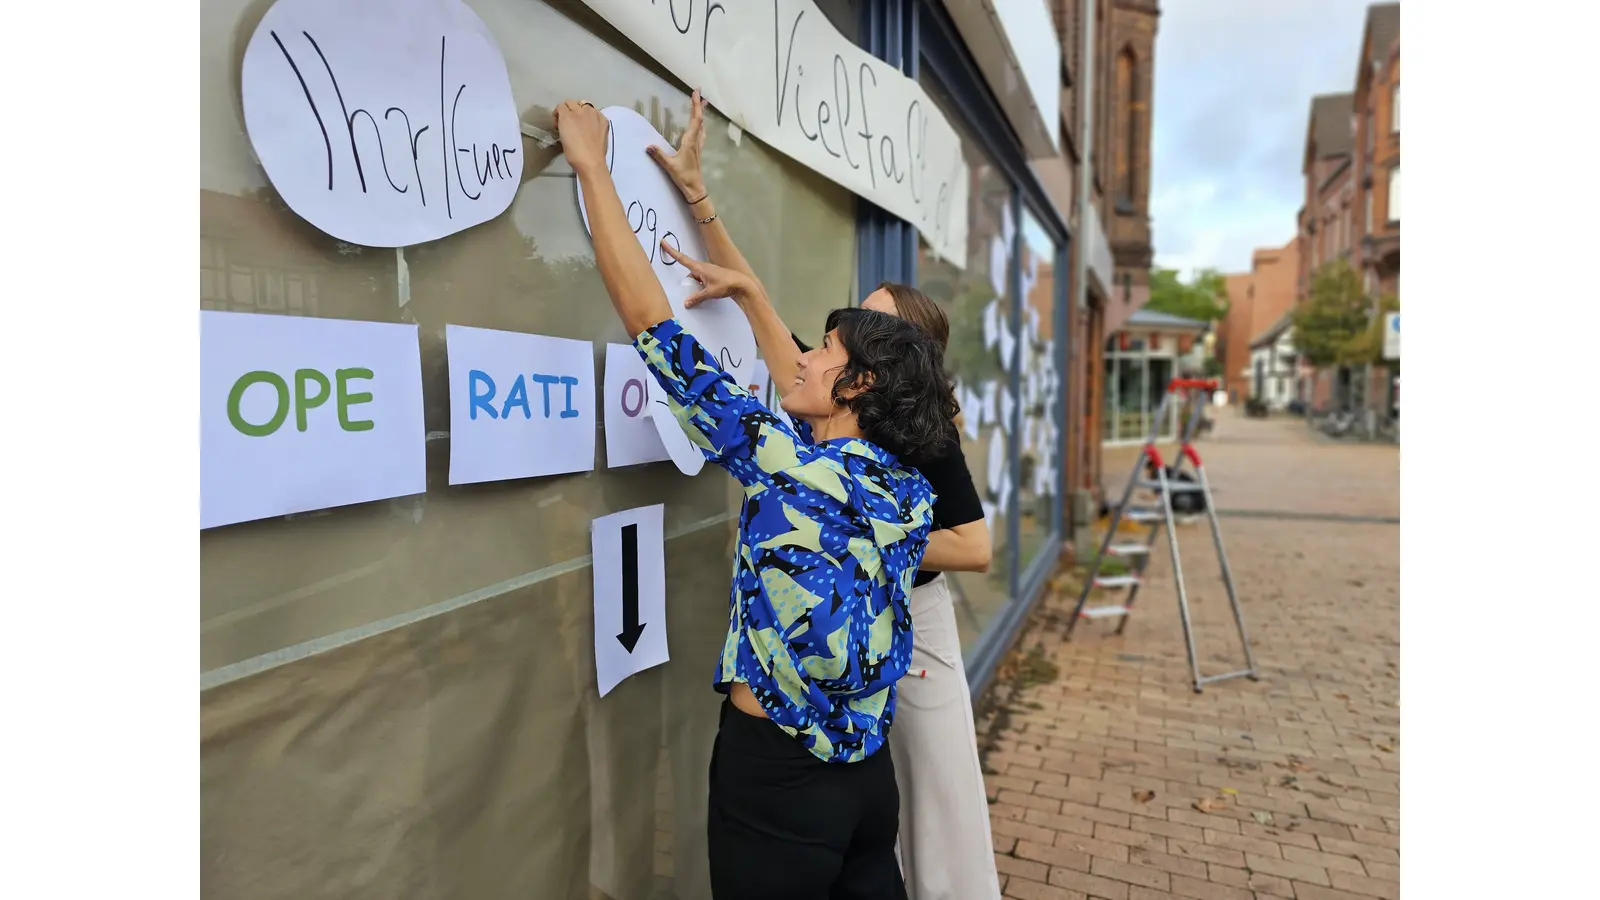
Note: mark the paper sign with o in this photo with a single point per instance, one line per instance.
(656, 212)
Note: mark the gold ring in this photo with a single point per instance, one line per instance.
(586, 103)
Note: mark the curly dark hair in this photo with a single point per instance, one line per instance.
(908, 405)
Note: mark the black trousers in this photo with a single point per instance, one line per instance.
(783, 824)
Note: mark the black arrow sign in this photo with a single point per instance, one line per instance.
(631, 626)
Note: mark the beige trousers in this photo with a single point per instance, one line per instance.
(946, 850)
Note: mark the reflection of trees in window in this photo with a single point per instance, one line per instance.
(1131, 106)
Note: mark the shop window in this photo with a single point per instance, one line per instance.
(1040, 395)
(967, 295)
(1132, 109)
(470, 744)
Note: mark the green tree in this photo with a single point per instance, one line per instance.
(1332, 323)
(1205, 297)
(1367, 347)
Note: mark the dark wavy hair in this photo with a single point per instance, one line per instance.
(907, 405)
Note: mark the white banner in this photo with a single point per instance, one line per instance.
(782, 72)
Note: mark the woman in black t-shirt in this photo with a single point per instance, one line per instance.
(946, 850)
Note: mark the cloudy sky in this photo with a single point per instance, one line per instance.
(1234, 81)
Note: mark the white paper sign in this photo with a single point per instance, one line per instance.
(971, 413)
(382, 122)
(521, 405)
(997, 459)
(1008, 346)
(1391, 335)
(657, 213)
(1044, 476)
(783, 73)
(631, 437)
(991, 402)
(299, 414)
(630, 594)
(997, 266)
(991, 325)
(1008, 408)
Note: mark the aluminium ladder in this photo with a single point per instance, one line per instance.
(1150, 473)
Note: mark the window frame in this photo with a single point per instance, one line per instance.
(944, 58)
(1391, 205)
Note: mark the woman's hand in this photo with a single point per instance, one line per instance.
(715, 281)
(683, 167)
(583, 134)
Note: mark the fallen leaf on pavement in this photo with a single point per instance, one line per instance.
(1210, 804)
(1384, 747)
(1229, 791)
(1144, 796)
(1262, 818)
(1342, 696)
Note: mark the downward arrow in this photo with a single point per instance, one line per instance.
(632, 628)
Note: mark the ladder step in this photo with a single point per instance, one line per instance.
(1176, 487)
(1116, 581)
(1103, 612)
(1242, 673)
(1128, 549)
(1143, 515)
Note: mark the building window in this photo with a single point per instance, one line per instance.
(1368, 192)
(1394, 195)
(1132, 107)
(1394, 109)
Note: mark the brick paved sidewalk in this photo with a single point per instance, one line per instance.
(1110, 778)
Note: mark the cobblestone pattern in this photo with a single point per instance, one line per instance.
(1114, 780)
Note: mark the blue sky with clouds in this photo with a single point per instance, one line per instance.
(1233, 87)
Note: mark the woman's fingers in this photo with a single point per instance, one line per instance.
(678, 256)
(697, 120)
(701, 296)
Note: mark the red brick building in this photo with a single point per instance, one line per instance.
(1351, 168)
(1325, 220)
(1257, 299)
(1376, 110)
(1117, 239)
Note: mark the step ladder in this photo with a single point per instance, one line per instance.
(1151, 475)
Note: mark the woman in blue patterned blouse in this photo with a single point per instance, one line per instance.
(833, 528)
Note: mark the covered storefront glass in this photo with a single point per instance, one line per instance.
(1039, 383)
(973, 359)
(398, 698)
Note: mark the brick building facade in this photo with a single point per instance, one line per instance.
(1352, 184)
(1326, 220)
(1376, 122)
(1122, 84)
(1257, 301)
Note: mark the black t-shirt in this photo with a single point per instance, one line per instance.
(957, 500)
